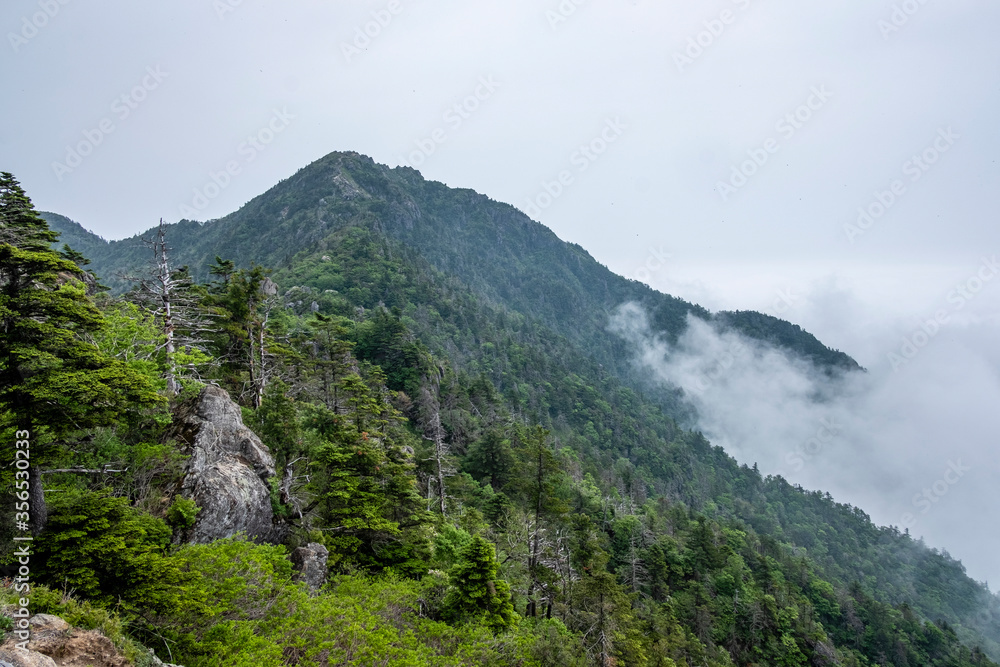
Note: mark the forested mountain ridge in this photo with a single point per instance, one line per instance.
(493, 248)
(644, 530)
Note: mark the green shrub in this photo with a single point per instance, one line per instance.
(477, 593)
(182, 513)
(83, 614)
(107, 551)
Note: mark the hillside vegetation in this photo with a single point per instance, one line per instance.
(493, 482)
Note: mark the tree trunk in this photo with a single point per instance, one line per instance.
(439, 447)
(36, 494)
(163, 275)
(440, 453)
(602, 635)
(533, 558)
(252, 363)
(262, 381)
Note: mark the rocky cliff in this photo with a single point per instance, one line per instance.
(54, 643)
(227, 472)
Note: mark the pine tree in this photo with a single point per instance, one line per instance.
(477, 593)
(243, 304)
(328, 355)
(365, 496)
(53, 380)
(491, 459)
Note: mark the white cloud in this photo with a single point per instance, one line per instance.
(879, 440)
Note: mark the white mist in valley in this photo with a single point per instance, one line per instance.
(913, 446)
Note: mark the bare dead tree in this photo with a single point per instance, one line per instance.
(162, 291)
(440, 453)
(264, 370)
(290, 483)
(441, 457)
(103, 470)
(635, 572)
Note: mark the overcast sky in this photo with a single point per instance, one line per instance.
(717, 150)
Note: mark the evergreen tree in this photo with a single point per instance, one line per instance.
(491, 459)
(53, 380)
(365, 491)
(541, 469)
(477, 592)
(243, 304)
(108, 551)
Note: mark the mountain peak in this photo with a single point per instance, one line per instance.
(491, 247)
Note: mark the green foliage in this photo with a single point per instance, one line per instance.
(105, 550)
(182, 513)
(232, 580)
(384, 340)
(81, 614)
(574, 496)
(51, 374)
(54, 381)
(491, 459)
(477, 593)
(367, 494)
(449, 543)
(276, 421)
(242, 338)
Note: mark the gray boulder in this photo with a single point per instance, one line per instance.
(12, 657)
(309, 563)
(227, 472)
(156, 662)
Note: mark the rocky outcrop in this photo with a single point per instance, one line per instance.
(227, 472)
(309, 563)
(54, 643)
(156, 662)
(17, 658)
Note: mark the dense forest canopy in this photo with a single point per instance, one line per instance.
(451, 421)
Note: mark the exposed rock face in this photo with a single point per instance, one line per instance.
(227, 473)
(12, 657)
(54, 643)
(48, 633)
(310, 564)
(159, 663)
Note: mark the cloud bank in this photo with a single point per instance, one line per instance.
(912, 444)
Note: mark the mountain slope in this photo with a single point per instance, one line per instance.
(492, 247)
(500, 296)
(621, 436)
